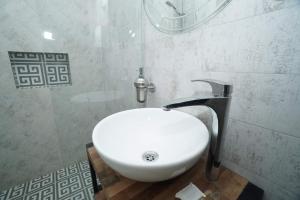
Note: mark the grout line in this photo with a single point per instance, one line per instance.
(260, 177)
(253, 72)
(252, 16)
(248, 72)
(273, 130)
(207, 25)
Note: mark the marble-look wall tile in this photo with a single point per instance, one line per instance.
(264, 152)
(254, 46)
(272, 190)
(241, 9)
(45, 129)
(270, 50)
(265, 99)
(29, 145)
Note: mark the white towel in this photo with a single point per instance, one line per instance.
(190, 192)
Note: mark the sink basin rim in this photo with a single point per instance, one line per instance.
(156, 164)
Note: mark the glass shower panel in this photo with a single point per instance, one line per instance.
(45, 128)
(105, 63)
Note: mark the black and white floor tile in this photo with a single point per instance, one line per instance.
(72, 182)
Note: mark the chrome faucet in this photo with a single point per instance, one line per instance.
(219, 103)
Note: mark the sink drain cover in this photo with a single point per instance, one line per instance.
(150, 156)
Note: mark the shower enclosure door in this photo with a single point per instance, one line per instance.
(64, 67)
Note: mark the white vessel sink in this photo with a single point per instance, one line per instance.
(150, 144)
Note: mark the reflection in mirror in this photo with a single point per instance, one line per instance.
(176, 16)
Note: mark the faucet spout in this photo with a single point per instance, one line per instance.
(220, 105)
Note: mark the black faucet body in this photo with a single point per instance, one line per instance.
(220, 104)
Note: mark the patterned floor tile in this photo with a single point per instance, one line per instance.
(40, 182)
(79, 195)
(69, 186)
(66, 172)
(84, 166)
(90, 193)
(16, 192)
(86, 179)
(3, 194)
(85, 173)
(71, 183)
(45, 193)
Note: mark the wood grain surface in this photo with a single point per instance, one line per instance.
(116, 187)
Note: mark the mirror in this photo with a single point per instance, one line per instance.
(176, 16)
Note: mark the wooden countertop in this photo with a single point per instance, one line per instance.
(116, 187)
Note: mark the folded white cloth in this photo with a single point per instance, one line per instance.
(190, 192)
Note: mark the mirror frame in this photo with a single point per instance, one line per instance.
(187, 28)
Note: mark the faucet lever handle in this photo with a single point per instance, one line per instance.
(219, 88)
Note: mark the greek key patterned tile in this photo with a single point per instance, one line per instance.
(84, 166)
(56, 57)
(20, 57)
(67, 172)
(40, 182)
(72, 182)
(3, 194)
(28, 75)
(42, 193)
(16, 192)
(69, 186)
(85, 173)
(35, 69)
(86, 178)
(80, 195)
(57, 69)
(57, 74)
(90, 193)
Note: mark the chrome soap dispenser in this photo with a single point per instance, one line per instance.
(142, 85)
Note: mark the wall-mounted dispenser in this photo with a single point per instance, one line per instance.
(142, 86)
